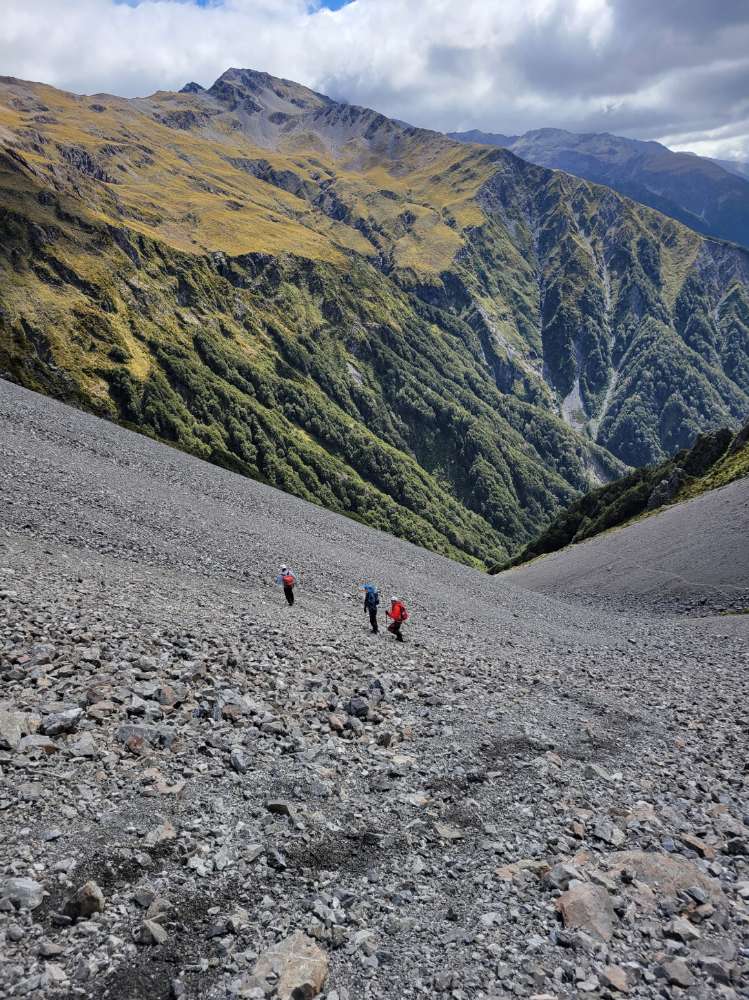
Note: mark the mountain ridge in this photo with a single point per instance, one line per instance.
(698, 191)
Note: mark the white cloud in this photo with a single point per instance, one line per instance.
(638, 67)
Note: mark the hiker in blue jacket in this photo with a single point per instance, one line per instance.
(371, 603)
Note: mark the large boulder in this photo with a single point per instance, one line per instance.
(588, 908)
(300, 965)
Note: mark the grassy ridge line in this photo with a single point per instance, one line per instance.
(188, 181)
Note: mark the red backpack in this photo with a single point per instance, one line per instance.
(399, 613)
(288, 579)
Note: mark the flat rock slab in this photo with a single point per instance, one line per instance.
(664, 874)
(24, 893)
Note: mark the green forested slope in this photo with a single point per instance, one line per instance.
(714, 460)
(443, 341)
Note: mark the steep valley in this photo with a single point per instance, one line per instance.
(364, 314)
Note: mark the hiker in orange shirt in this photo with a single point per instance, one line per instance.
(398, 614)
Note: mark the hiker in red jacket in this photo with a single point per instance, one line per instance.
(397, 614)
(287, 579)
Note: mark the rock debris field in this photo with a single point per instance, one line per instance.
(205, 793)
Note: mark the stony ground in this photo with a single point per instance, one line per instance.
(692, 558)
(205, 793)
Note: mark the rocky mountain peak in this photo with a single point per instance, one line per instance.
(255, 91)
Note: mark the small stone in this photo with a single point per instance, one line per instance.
(697, 894)
(138, 735)
(160, 834)
(682, 930)
(444, 981)
(88, 899)
(698, 845)
(159, 909)
(715, 967)
(605, 830)
(150, 933)
(144, 896)
(13, 727)
(42, 653)
(561, 875)
(85, 747)
(61, 722)
(54, 974)
(358, 706)
(47, 949)
(677, 972)
(448, 832)
(337, 723)
(35, 741)
(615, 977)
(239, 761)
(594, 771)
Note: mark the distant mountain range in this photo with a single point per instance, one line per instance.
(738, 167)
(711, 196)
(447, 342)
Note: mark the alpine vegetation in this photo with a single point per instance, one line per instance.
(440, 340)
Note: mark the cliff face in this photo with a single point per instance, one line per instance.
(444, 341)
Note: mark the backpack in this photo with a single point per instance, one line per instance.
(288, 579)
(400, 610)
(373, 598)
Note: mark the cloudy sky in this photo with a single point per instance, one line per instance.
(674, 70)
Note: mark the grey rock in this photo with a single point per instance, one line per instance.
(239, 760)
(24, 893)
(682, 929)
(677, 972)
(13, 727)
(150, 933)
(61, 722)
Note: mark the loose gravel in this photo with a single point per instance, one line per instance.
(206, 793)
